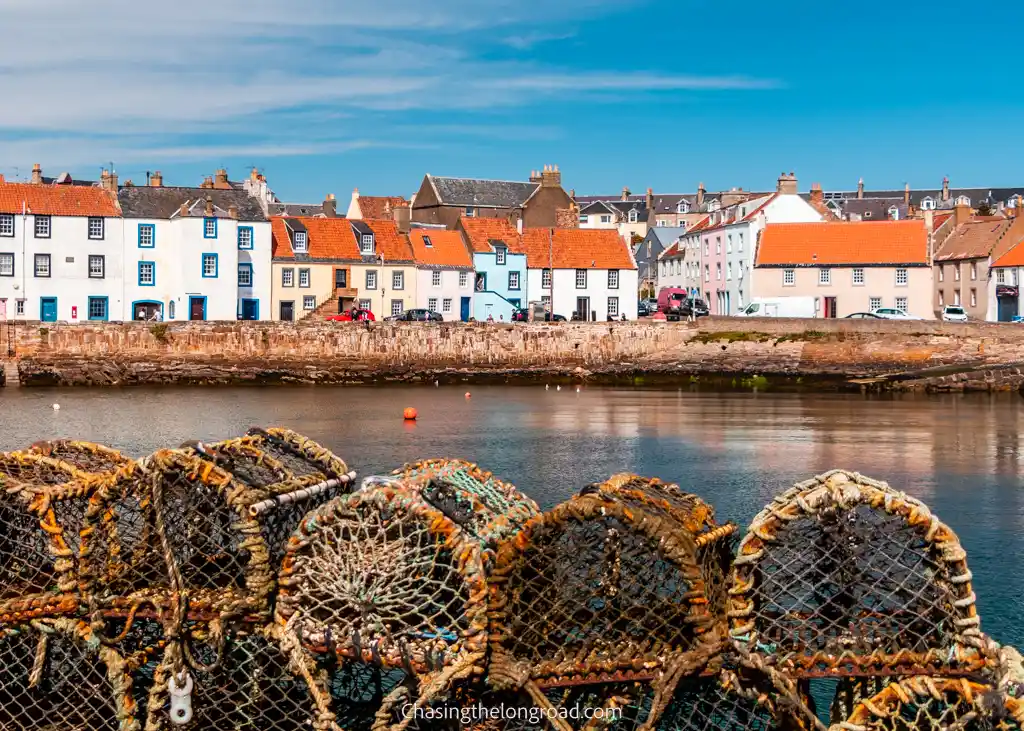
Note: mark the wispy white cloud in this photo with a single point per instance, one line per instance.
(125, 79)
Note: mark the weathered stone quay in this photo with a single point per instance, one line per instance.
(830, 354)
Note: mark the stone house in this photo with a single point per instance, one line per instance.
(444, 273)
(501, 277)
(847, 267)
(534, 203)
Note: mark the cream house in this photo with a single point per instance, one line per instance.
(847, 267)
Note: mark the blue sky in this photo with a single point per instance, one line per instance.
(324, 96)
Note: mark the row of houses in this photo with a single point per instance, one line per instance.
(75, 250)
(919, 265)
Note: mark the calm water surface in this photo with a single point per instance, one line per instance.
(960, 454)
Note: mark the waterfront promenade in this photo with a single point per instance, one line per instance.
(914, 355)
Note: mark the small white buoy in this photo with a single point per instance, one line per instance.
(577, 389)
(558, 388)
(56, 407)
(436, 384)
(547, 386)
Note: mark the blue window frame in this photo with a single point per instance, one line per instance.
(209, 228)
(245, 237)
(210, 266)
(147, 235)
(98, 308)
(245, 275)
(147, 273)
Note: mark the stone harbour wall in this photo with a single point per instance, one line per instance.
(934, 355)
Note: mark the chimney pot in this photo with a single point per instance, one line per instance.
(209, 207)
(37, 174)
(254, 176)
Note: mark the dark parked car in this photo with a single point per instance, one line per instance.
(417, 316)
(524, 316)
(644, 309)
(683, 309)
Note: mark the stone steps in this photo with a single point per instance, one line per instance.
(12, 377)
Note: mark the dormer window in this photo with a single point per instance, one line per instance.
(426, 242)
(714, 205)
(366, 244)
(962, 200)
(470, 211)
(300, 243)
(499, 253)
(894, 213)
(632, 216)
(683, 207)
(928, 204)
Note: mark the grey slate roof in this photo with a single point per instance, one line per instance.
(977, 195)
(482, 193)
(874, 209)
(667, 235)
(297, 209)
(164, 202)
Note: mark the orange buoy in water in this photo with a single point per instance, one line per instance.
(410, 414)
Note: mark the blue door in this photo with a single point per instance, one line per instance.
(464, 312)
(251, 309)
(48, 309)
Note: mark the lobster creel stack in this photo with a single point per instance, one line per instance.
(618, 593)
(384, 593)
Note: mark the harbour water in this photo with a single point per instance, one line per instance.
(960, 454)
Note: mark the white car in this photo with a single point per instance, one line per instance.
(891, 313)
(954, 313)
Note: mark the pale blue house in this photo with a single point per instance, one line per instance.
(500, 263)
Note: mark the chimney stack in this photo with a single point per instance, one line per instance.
(221, 179)
(817, 194)
(254, 176)
(233, 212)
(183, 210)
(961, 213)
(650, 199)
(625, 193)
(330, 206)
(209, 207)
(207, 183)
(551, 178)
(156, 180)
(860, 189)
(945, 189)
(700, 195)
(906, 195)
(535, 176)
(787, 184)
(37, 174)
(403, 218)
(108, 181)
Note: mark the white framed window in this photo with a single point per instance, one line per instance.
(301, 245)
(788, 277)
(739, 246)
(718, 244)
(956, 297)
(147, 273)
(901, 304)
(20, 307)
(707, 273)
(824, 276)
(974, 270)
(662, 223)
(6, 224)
(613, 277)
(7, 265)
(1000, 276)
(942, 298)
(97, 266)
(942, 272)
(858, 276)
(470, 211)
(606, 218)
(304, 279)
(728, 271)
(545, 279)
(739, 270)
(499, 255)
(397, 307)
(42, 268)
(244, 275)
(366, 244)
(682, 207)
(95, 228)
(707, 247)
(365, 304)
(728, 244)
(147, 235)
(956, 272)
(545, 300)
(874, 303)
(901, 277)
(581, 279)
(209, 265)
(435, 278)
(397, 280)
(432, 304)
(613, 306)
(513, 280)
(287, 277)
(446, 304)
(928, 204)
(309, 302)
(974, 298)
(371, 279)
(245, 237)
(463, 280)
(42, 227)
(718, 271)
(583, 219)
(632, 216)
(962, 200)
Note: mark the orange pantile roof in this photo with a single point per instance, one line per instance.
(700, 225)
(393, 245)
(479, 231)
(380, 207)
(57, 200)
(972, 239)
(939, 219)
(446, 249)
(329, 239)
(582, 248)
(843, 243)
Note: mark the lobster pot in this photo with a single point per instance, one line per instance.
(845, 575)
(43, 502)
(926, 703)
(383, 577)
(479, 502)
(283, 464)
(86, 456)
(177, 524)
(607, 586)
(57, 676)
